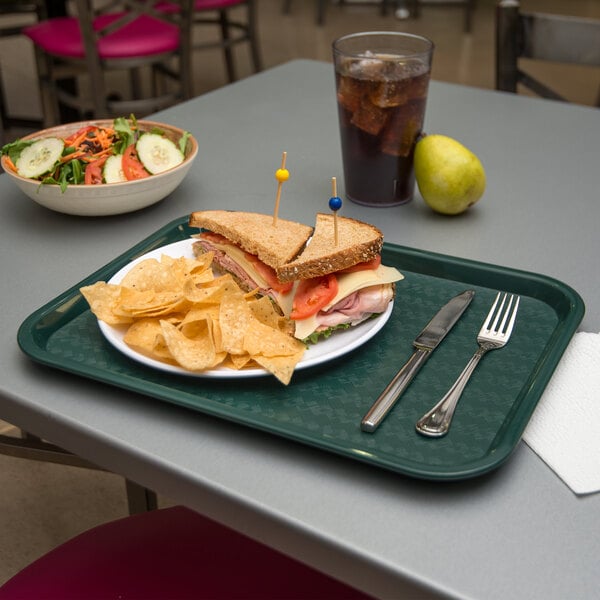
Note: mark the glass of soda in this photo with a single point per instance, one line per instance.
(381, 81)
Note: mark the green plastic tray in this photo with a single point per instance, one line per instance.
(323, 405)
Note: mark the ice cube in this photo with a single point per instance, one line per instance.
(350, 92)
(389, 94)
(369, 118)
(367, 67)
(402, 130)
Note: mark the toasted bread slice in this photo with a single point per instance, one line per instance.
(274, 243)
(357, 242)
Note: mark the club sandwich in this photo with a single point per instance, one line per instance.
(321, 285)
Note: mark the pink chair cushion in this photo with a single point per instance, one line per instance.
(169, 553)
(145, 36)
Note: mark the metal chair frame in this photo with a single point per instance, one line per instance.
(100, 103)
(31, 447)
(233, 32)
(16, 7)
(469, 6)
(413, 6)
(322, 6)
(544, 37)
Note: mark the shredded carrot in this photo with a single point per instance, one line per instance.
(87, 140)
(78, 137)
(10, 164)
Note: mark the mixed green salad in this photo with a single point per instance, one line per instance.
(96, 155)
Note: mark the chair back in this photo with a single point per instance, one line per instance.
(544, 37)
(105, 31)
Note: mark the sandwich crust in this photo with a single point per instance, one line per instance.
(357, 242)
(274, 244)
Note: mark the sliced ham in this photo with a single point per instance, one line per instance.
(357, 307)
(228, 265)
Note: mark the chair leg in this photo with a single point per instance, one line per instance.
(415, 8)
(321, 12)
(3, 112)
(253, 35)
(469, 8)
(227, 53)
(139, 498)
(47, 89)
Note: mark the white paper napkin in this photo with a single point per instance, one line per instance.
(564, 430)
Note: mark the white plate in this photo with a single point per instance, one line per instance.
(339, 344)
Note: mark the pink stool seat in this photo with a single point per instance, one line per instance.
(144, 36)
(170, 553)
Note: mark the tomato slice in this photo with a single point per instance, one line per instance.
(215, 238)
(132, 167)
(312, 295)
(268, 274)
(271, 278)
(364, 266)
(93, 172)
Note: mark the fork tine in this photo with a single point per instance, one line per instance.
(500, 329)
(494, 325)
(513, 316)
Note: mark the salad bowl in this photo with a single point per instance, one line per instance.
(105, 199)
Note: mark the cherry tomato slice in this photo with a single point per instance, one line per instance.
(132, 167)
(364, 266)
(312, 295)
(93, 172)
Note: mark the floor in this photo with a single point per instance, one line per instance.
(42, 505)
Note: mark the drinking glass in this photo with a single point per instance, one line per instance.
(382, 79)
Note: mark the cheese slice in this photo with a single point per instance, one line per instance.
(349, 283)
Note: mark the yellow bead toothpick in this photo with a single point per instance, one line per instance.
(282, 174)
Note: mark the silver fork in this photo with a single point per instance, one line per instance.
(494, 333)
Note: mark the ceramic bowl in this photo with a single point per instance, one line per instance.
(107, 198)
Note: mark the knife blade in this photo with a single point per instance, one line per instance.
(425, 343)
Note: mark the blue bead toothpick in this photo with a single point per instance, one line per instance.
(335, 203)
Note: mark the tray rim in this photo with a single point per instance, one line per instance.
(28, 338)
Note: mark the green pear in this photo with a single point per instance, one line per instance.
(450, 177)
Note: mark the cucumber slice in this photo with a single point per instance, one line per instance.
(158, 153)
(113, 169)
(39, 158)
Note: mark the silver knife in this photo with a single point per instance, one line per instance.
(424, 344)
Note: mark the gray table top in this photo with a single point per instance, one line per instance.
(518, 531)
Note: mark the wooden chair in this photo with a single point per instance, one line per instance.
(544, 37)
(130, 36)
(169, 553)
